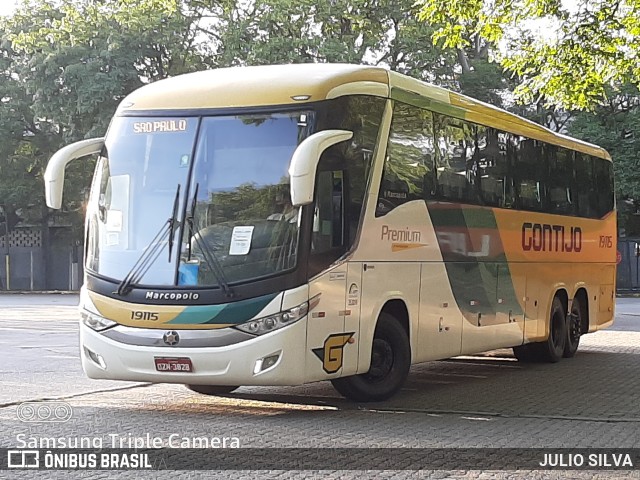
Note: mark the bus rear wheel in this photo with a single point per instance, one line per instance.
(552, 349)
(213, 389)
(574, 328)
(390, 362)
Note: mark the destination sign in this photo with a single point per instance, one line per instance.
(155, 126)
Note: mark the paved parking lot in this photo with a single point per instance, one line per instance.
(590, 401)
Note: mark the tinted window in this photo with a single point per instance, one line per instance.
(586, 196)
(530, 174)
(408, 170)
(603, 176)
(496, 182)
(459, 145)
(433, 156)
(561, 185)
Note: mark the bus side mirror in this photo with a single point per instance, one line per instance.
(304, 163)
(54, 174)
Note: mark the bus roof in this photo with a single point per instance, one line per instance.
(241, 87)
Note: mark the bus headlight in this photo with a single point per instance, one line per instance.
(260, 326)
(96, 322)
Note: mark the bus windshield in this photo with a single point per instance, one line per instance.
(232, 200)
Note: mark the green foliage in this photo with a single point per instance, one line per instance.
(66, 64)
(350, 31)
(578, 50)
(64, 67)
(616, 127)
(484, 81)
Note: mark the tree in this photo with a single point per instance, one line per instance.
(352, 31)
(65, 65)
(616, 127)
(568, 54)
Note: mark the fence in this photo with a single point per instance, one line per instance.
(628, 275)
(27, 264)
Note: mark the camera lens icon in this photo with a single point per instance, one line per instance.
(51, 412)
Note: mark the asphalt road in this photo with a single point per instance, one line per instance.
(590, 401)
(627, 315)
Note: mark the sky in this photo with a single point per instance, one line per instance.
(7, 6)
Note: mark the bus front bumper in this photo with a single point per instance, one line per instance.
(276, 358)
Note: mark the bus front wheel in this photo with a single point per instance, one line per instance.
(390, 362)
(213, 389)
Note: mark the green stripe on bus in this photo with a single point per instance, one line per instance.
(478, 273)
(228, 313)
(197, 314)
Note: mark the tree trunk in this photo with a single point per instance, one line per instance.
(464, 61)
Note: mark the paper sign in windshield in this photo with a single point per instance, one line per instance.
(114, 221)
(241, 240)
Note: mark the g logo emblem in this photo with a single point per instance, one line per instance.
(331, 354)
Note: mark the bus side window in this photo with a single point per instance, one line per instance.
(585, 188)
(460, 162)
(561, 181)
(408, 167)
(530, 170)
(603, 174)
(497, 176)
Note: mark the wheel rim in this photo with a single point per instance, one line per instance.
(381, 360)
(574, 326)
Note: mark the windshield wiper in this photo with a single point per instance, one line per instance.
(173, 223)
(189, 219)
(208, 254)
(151, 252)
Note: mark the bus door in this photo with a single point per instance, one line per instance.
(327, 335)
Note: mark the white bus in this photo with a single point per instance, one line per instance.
(288, 224)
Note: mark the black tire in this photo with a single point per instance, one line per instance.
(213, 389)
(574, 328)
(390, 362)
(552, 349)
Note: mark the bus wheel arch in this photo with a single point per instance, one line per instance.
(390, 358)
(577, 322)
(398, 310)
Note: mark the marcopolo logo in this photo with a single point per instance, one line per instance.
(151, 295)
(50, 412)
